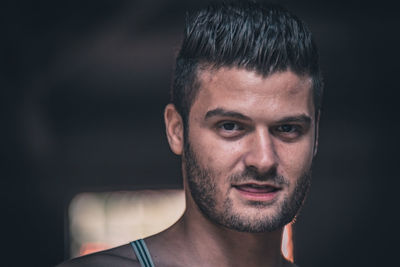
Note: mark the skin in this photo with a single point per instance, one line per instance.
(274, 132)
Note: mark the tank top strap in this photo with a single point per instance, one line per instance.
(142, 253)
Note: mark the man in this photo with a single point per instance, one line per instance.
(244, 116)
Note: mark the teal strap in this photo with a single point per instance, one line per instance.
(142, 253)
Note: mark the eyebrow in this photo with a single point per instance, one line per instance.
(225, 113)
(301, 119)
(233, 114)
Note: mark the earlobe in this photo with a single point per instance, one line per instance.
(174, 128)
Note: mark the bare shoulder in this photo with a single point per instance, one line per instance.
(119, 257)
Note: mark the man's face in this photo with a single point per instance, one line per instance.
(249, 148)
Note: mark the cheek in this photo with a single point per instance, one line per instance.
(217, 155)
(295, 159)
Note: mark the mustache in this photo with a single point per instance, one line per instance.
(251, 175)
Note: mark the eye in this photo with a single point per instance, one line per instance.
(230, 126)
(287, 128)
(288, 132)
(230, 129)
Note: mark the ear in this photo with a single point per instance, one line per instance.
(318, 115)
(174, 128)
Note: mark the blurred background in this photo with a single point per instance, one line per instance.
(84, 85)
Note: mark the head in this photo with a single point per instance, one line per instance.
(245, 103)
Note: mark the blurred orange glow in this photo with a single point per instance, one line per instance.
(287, 243)
(103, 220)
(89, 248)
(100, 221)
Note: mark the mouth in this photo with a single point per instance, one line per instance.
(257, 192)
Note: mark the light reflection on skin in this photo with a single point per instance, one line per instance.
(287, 243)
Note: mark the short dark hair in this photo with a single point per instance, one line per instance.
(261, 37)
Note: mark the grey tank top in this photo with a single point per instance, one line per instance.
(142, 253)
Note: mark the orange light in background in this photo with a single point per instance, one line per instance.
(99, 221)
(104, 220)
(89, 248)
(287, 243)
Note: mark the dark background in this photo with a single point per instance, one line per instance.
(84, 85)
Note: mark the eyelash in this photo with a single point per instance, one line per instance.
(230, 123)
(236, 126)
(236, 131)
(296, 128)
(291, 134)
(279, 131)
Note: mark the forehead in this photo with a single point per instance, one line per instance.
(281, 93)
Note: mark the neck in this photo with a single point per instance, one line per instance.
(200, 240)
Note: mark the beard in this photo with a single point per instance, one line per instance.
(202, 183)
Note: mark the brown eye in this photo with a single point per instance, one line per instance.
(230, 129)
(229, 126)
(287, 128)
(289, 132)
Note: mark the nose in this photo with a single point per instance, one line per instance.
(261, 154)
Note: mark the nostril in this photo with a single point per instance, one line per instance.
(261, 163)
(259, 175)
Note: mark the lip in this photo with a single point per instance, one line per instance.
(257, 191)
